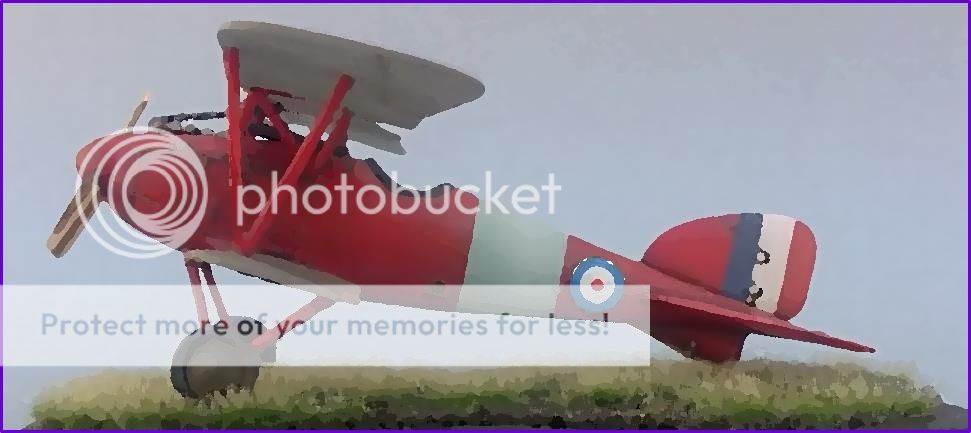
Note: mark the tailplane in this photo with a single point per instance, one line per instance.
(751, 274)
(763, 260)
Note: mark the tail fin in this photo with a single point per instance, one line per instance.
(763, 260)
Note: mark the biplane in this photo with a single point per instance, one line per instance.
(712, 281)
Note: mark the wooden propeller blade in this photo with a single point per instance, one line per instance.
(77, 212)
(139, 109)
(82, 206)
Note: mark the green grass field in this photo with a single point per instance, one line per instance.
(683, 394)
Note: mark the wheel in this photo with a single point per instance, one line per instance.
(208, 362)
(205, 363)
(208, 368)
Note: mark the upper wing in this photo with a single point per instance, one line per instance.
(677, 307)
(390, 87)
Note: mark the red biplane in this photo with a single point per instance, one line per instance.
(713, 281)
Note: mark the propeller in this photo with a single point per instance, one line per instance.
(82, 206)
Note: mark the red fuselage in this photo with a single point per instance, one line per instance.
(465, 256)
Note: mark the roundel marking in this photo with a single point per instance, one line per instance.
(596, 284)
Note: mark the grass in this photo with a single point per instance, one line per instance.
(750, 394)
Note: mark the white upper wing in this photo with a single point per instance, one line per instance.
(390, 87)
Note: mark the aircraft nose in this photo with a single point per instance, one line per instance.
(116, 160)
(96, 161)
(152, 180)
(85, 162)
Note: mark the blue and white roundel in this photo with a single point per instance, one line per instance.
(596, 284)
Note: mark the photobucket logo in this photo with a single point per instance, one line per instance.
(345, 196)
(156, 185)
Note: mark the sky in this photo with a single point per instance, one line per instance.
(850, 118)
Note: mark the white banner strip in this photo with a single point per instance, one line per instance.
(124, 326)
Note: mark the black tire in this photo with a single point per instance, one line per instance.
(177, 375)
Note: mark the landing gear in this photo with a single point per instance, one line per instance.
(219, 358)
(227, 355)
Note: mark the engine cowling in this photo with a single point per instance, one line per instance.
(763, 260)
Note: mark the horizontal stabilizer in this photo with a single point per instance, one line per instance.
(704, 310)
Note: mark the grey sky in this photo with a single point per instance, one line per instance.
(851, 118)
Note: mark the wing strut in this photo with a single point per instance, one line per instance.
(248, 241)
